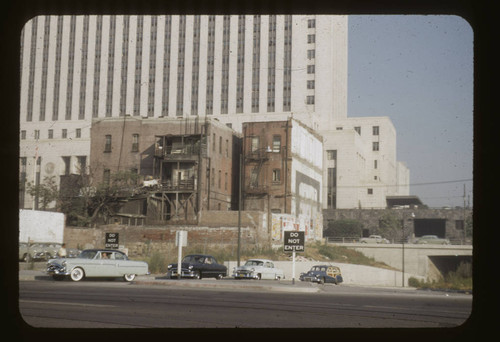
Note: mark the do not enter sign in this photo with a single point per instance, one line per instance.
(293, 241)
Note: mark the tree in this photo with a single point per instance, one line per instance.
(46, 192)
(344, 228)
(84, 205)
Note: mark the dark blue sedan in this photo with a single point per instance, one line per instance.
(322, 274)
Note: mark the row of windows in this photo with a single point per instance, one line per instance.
(108, 143)
(50, 134)
(138, 67)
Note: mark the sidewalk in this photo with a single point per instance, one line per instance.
(227, 283)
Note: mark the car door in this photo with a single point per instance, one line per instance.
(107, 265)
(268, 271)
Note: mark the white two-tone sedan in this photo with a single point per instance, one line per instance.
(97, 263)
(258, 269)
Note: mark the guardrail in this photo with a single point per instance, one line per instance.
(338, 240)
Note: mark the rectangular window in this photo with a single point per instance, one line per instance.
(370, 191)
(64, 133)
(225, 181)
(375, 146)
(220, 144)
(358, 129)
(276, 143)
(107, 145)
(310, 84)
(23, 135)
(311, 23)
(255, 144)
(51, 134)
(213, 142)
(106, 177)
(67, 165)
(375, 164)
(37, 134)
(310, 100)
(78, 132)
(311, 38)
(82, 164)
(276, 175)
(375, 130)
(331, 154)
(310, 69)
(135, 142)
(311, 54)
(219, 179)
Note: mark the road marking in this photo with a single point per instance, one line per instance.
(67, 303)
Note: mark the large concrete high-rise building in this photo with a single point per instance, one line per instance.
(233, 68)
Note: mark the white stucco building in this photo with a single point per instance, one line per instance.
(233, 68)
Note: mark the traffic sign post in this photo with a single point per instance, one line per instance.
(180, 241)
(293, 241)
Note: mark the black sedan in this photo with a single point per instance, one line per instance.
(198, 266)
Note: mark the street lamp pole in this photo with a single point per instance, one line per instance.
(239, 209)
(403, 252)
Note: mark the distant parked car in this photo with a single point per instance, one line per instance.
(323, 274)
(374, 239)
(198, 266)
(35, 252)
(72, 252)
(258, 269)
(50, 250)
(432, 239)
(107, 263)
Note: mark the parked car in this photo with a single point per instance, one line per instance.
(374, 239)
(323, 274)
(72, 252)
(198, 266)
(432, 239)
(50, 250)
(258, 269)
(97, 263)
(35, 252)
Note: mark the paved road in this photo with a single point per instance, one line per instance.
(264, 304)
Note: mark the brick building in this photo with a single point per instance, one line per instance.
(282, 163)
(184, 166)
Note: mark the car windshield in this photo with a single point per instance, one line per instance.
(87, 254)
(254, 263)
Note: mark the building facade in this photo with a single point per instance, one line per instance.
(184, 166)
(232, 68)
(360, 165)
(283, 175)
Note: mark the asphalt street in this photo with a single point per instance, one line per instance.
(154, 302)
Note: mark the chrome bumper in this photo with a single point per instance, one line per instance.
(57, 270)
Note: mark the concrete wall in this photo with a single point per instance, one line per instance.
(352, 274)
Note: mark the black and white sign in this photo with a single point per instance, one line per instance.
(111, 240)
(293, 241)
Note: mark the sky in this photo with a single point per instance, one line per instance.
(418, 71)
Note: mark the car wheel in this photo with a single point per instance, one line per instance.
(259, 276)
(277, 277)
(129, 277)
(77, 274)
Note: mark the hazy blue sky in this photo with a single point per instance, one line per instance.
(418, 70)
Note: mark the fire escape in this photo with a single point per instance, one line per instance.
(176, 166)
